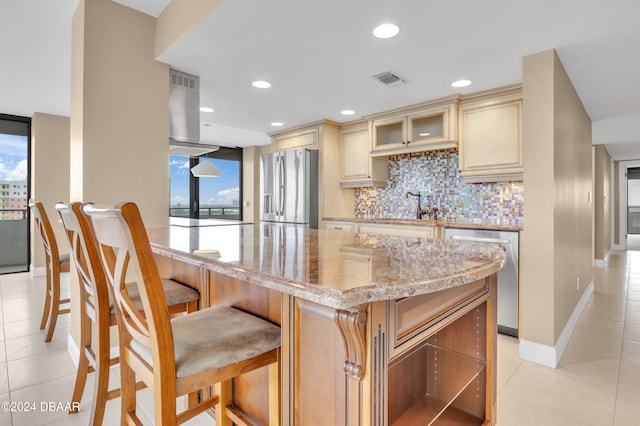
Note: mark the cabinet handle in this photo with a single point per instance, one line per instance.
(338, 228)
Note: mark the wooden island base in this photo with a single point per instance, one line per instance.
(426, 359)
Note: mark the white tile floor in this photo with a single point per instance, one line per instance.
(596, 383)
(598, 379)
(32, 371)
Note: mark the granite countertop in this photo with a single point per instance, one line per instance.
(450, 223)
(189, 222)
(314, 264)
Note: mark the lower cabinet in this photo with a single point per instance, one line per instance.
(419, 231)
(339, 225)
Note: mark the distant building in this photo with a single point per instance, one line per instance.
(13, 199)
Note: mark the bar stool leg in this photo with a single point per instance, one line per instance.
(47, 301)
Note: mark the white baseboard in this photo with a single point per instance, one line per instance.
(619, 247)
(73, 349)
(603, 263)
(550, 356)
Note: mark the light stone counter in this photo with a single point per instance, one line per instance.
(309, 263)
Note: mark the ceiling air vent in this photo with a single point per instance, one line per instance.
(389, 79)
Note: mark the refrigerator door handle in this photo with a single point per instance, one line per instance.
(281, 188)
(276, 186)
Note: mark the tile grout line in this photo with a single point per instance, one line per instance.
(4, 348)
(624, 323)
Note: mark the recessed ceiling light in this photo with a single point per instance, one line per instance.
(206, 109)
(261, 84)
(277, 124)
(386, 30)
(461, 83)
(347, 112)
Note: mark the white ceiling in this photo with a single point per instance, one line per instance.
(320, 57)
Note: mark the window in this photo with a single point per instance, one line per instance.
(207, 198)
(14, 171)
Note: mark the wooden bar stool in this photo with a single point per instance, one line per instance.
(177, 356)
(97, 311)
(55, 263)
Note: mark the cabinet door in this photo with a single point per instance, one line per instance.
(491, 141)
(354, 155)
(435, 126)
(304, 139)
(423, 129)
(420, 129)
(389, 133)
(358, 168)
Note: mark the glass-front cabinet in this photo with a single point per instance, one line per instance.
(419, 128)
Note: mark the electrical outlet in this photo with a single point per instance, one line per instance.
(578, 283)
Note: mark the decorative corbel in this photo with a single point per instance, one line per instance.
(353, 325)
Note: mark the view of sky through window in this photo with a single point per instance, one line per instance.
(13, 158)
(223, 190)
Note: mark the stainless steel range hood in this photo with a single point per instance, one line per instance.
(184, 116)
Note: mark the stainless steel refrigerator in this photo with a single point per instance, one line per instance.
(289, 187)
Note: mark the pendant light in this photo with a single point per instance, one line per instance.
(205, 169)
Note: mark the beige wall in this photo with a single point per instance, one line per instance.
(119, 110)
(602, 203)
(49, 177)
(178, 18)
(250, 183)
(558, 215)
(119, 122)
(616, 202)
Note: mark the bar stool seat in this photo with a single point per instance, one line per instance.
(216, 337)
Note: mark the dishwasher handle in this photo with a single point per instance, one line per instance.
(480, 240)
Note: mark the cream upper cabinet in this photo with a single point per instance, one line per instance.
(490, 135)
(304, 138)
(418, 128)
(357, 167)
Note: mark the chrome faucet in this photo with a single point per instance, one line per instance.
(419, 211)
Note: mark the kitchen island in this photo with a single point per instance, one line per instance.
(376, 329)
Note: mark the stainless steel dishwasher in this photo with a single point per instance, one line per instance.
(508, 277)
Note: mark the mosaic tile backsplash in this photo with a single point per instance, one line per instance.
(435, 174)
